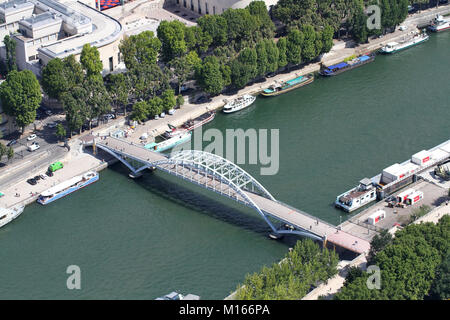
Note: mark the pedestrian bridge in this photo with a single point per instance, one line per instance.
(226, 178)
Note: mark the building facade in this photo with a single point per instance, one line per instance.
(215, 6)
(47, 29)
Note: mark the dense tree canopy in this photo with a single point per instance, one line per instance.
(305, 266)
(409, 266)
(21, 96)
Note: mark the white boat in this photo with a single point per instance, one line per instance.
(239, 103)
(393, 47)
(170, 143)
(357, 197)
(8, 215)
(439, 24)
(67, 187)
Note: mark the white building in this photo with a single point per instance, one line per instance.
(216, 6)
(47, 29)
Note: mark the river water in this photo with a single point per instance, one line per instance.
(140, 239)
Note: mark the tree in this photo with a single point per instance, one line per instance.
(209, 76)
(3, 150)
(75, 108)
(10, 49)
(272, 55)
(282, 52)
(20, 95)
(97, 99)
(148, 80)
(327, 38)
(117, 86)
(216, 27)
(10, 153)
(140, 111)
(180, 100)
(184, 67)
(379, 242)
(309, 44)
(196, 39)
(262, 59)
(168, 99)
(259, 10)
(142, 48)
(171, 35)
(440, 288)
(90, 60)
(73, 72)
(60, 132)
(53, 78)
(155, 106)
(360, 32)
(242, 26)
(294, 43)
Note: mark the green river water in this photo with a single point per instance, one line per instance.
(140, 239)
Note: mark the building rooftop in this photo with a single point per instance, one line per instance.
(40, 20)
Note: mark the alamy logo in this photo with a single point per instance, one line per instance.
(74, 280)
(374, 280)
(374, 19)
(251, 146)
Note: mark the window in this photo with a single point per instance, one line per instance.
(199, 8)
(214, 9)
(118, 58)
(184, 3)
(111, 65)
(206, 8)
(192, 5)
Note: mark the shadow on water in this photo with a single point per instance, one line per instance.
(193, 197)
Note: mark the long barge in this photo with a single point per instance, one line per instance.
(392, 178)
(67, 187)
(277, 89)
(345, 66)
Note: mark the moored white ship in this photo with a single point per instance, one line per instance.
(439, 24)
(239, 103)
(393, 47)
(67, 187)
(357, 197)
(8, 215)
(178, 139)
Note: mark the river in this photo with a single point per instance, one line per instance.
(140, 239)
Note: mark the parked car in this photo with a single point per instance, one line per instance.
(31, 137)
(32, 181)
(171, 111)
(162, 115)
(48, 112)
(37, 178)
(11, 143)
(156, 117)
(33, 147)
(49, 174)
(55, 166)
(202, 99)
(52, 125)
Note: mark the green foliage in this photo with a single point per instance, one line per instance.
(379, 242)
(141, 48)
(408, 265)
(242, 26)
(140, 111)
(282, 52)
(10, 50)
(305, 266)
(53, 80)
(262, 59)
(10, 153)
(155, 106)
(184, 67)
(216, 27)
(440, 288)
(196, 39)
(60, 132)
(359, 24)
(171, 35)
(117, 86)
(309, 44)
(272, 55)
(294, 44)
(20, 95)
(90, 60)
(209, 76)
(168, 99)
(180, 100)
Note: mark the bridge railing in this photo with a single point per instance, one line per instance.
(306, 214)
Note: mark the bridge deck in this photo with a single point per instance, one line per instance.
(277, 210)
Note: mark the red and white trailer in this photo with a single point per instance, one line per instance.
(414, 198)
(421, 158)
(402, 196)
(375, 217)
